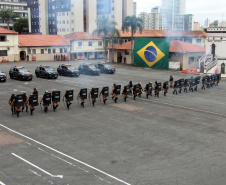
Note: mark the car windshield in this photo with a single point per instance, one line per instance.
(70, 67)
(92, 67)
(23, 70)
(107, 66)
(49, 69)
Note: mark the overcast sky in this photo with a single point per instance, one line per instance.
(201, 9)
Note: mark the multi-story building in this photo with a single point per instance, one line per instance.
(67, 16)
(174, 17)
(215, 24)
(206, 23)
(153, 20)
(135, 8)
(196, 26)
(18, 6)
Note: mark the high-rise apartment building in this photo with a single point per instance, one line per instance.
(67, 16)
(174, 17)
(135, 8)
(18, 6)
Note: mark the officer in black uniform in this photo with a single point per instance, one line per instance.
(181, 84)
(135, 90)
(33, 101)
(192, 83)
(18, 103)
(130, 86)
(25, 102)
(171, 81)
(12, 97)
(156, 89)
(197, 81)
(94, 94)
(208, 81)
(186, 84)
(55, 99)
(125, 92)
(116, 91)
(35, 91)
(148, 89)
(46, 100)
(165, 87)
(140, 90)
(203, 83)
(68, 95)
(175, 86)
(218, 78)
(82, 95)
(105, 93)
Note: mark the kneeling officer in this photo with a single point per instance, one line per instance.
(33, 101)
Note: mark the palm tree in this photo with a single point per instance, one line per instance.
(133, 24)
(7, 15)
(104, 29)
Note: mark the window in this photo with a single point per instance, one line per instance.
(65, 50)
(54, 50)
(126, 52)
(72, 21)
(99, 43)
(49, 50)
(61, 50)
(191, 59)
(29, 51)
(2, 38)
(72, 13)
(79, 43)
(72, 29)
(198, 40)
(80, 54)
(90, 43)
(42, 51)
(3, 52)
(33, 51)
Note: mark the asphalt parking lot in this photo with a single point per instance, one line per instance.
(172, 140)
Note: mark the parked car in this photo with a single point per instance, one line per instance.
(20, 73)
(88, 69)
(2, 76)
(105, 68)
(45, 72)
(67, 70)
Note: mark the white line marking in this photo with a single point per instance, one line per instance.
(66, 155)
(1, 183)
(184, 107)
(60, 176)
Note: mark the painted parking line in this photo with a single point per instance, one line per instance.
(59, 176)
(1, 183)
(65, 155)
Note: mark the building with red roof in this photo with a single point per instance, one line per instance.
(187, 54)
(85, 46)
(14, 47)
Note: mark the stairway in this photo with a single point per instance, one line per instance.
(208, 64)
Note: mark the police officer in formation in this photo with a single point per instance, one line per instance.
(171, 81)
(46, 99)
(94, 94)
(68, 95)
(25, 98)
(105, 93)
(156, 88)
(21, 100)
(148, 89)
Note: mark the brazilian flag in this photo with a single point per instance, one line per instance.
(151, 52)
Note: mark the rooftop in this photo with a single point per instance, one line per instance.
(175, 47)
(80, 36)
(42, 40)
(5, 31)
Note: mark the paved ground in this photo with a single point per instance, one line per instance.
(173, 140)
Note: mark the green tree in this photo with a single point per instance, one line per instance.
(104, 29)
(21, 25)
(133, 24)
(7, 15)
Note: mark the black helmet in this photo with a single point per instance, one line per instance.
(156, 82)
(114, 84)
(24, 94)
(13, 95)
(46, 91)
(35, 89)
